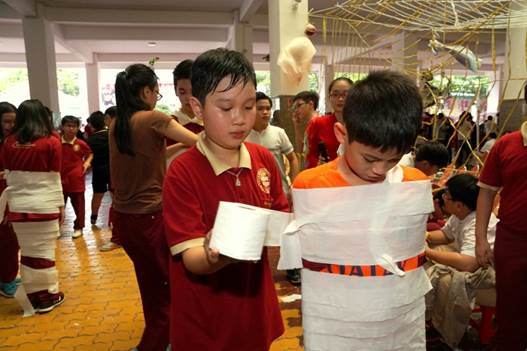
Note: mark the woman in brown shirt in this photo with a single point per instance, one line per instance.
(137, 168)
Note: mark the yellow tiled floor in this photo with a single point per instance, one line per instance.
(102, 307)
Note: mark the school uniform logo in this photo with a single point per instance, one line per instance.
(76, 147)
(263, 179)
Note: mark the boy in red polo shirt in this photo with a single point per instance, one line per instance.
(219, 303)
(76, 159)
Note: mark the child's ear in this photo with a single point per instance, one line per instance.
(195, 104)
(341, 133)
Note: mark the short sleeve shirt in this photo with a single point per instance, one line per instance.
(98, 143)
(463, 233)
(235, 308)
(506, 168)
(74, 154)
(320, 130)
(277, 142)
(137, 180)
(41, 155)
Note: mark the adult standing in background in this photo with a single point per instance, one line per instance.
(137, 168)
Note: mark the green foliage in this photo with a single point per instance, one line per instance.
(68, 81)
(465, 86)
(164, 109)
(263, 82)
(12, 76)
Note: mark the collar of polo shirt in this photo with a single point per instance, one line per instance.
(217, 165)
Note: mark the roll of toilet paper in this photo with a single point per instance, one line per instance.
(239, 230)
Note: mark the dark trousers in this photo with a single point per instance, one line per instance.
(143, 239)
(510, 254)
(116, 238)
(77, 201)
(8, 253)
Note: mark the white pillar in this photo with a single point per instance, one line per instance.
(92, 85)
(40, 57)
(287, 20)
(241, 38)
(493, 96)
(404, 54)
(512, 107)
(329, 75)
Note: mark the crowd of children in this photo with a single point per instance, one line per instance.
(195, 298)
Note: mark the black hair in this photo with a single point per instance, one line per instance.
(384, 110)
(434, 152)
(111, 111)
(262, 96)
(308, 96)
(493, 135)
(214, 65)
(32, 122)
(182, 71)
(5, 107)
(464, 188)
(70, 119)
(438, 196)
(345, 79)
(128, 87)
(96, 120)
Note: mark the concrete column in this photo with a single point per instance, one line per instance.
(40, 57)
(287, 20)
(92, 85)
(493, 96)
(241, 39)
(329, 75)
(404, 54)
(512, 109)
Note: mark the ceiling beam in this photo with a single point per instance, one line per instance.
(84, 55)
(248, 8)
(138, 17)
(108, 32)
(26, 8)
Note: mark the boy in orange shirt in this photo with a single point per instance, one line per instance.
(382, 117)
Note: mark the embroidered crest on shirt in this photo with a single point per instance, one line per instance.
(263, 179)
(76, 147)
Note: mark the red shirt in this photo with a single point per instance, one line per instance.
(236, 308)
(42, 155)
(506, 167)
(193, 127)
(72, 173)
(320, 129)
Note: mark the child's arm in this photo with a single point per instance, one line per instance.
(463, 263)
(204, 260)
(437, 237)
(87, 163)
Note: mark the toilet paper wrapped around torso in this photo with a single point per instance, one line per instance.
(362, 284)
(241, 231)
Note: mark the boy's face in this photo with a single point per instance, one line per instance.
(8, 122)
(228, 116)
(370, 163)
(184, 92)
(263, 114)
(70, 130)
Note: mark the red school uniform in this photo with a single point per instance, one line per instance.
(74, 154)
(236, 308)
(41, 155)
(320, 129)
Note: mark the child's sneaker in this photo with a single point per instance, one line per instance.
(77, 233)
(49, 305)
(8, 289)
(93, 219)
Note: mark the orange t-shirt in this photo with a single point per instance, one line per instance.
(327, 176)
